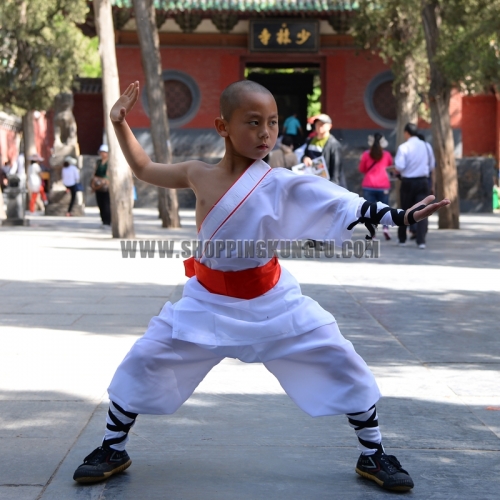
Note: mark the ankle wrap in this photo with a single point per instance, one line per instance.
(365, 425)
(118, 424)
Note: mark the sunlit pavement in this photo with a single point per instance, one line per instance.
(426, 321)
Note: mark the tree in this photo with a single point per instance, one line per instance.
(462, 48)
(392, 29)
(41, 51)
(119, 173)
(442, 136)
(145, 16)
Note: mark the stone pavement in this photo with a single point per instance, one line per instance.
(427, 322)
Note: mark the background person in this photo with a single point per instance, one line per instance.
(101, 186)
(293, 129)
(283, 155)
(70, 178)
(35, 185)
(432, 189)
(4, 173)
(373, 164)
(324, 144)
(412, 162)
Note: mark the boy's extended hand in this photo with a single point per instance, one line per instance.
(428, 210)
(125, 103)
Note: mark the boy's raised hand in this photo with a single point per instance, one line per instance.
(427, 210)
(125, 103)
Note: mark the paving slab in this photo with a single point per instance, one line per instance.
(425, 322)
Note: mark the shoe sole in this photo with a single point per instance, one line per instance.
(91, 479)
(381, 483)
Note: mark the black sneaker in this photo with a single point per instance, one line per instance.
(385, 470)
(101, 464)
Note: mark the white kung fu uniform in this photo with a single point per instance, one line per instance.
(297, 340)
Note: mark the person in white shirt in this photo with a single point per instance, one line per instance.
(412, 162)
(70, 177)
(431, 162)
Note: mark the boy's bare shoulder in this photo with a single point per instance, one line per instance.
(198, 169)
(199, 166)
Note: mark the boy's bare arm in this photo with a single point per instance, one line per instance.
(174, 176)
(426, 209)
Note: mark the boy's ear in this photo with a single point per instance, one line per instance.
(221, 127)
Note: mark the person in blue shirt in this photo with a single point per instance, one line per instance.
(293, 129)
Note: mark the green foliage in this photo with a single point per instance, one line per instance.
(392, 29)
(41, 50)
(314, 99)
(469, 45)
(91, 67)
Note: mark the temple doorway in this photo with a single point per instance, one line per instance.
(296, 90)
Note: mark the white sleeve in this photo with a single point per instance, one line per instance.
(310, 207)
(400, 160)
(432, 158)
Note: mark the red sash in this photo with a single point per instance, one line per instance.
(246, 284)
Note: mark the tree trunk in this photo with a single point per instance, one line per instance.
(406, 98)
(407, 110)
(28, 137)
(442, 137)
(120, 176)
(145, 17)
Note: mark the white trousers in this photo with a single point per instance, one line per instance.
(319, 370)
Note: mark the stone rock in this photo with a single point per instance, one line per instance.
(59, 203)
(65, 134)
(475, 184)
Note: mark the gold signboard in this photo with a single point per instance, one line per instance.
(287, 35)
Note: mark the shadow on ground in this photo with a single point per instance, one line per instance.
(260, 446)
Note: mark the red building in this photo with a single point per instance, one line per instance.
(289, 46)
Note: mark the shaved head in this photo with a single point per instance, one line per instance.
(233, 95)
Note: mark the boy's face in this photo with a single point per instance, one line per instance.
(322, 128)
(253, 126)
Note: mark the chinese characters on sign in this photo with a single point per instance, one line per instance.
(283, 36)
(293, 35)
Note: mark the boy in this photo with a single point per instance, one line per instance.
(248, 307)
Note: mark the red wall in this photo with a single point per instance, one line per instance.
(348, 73)
(479, 125)
(212, 69)
(8, 145)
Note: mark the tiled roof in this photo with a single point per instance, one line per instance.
(249, 6)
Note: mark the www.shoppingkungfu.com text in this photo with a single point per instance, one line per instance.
(260, 249)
